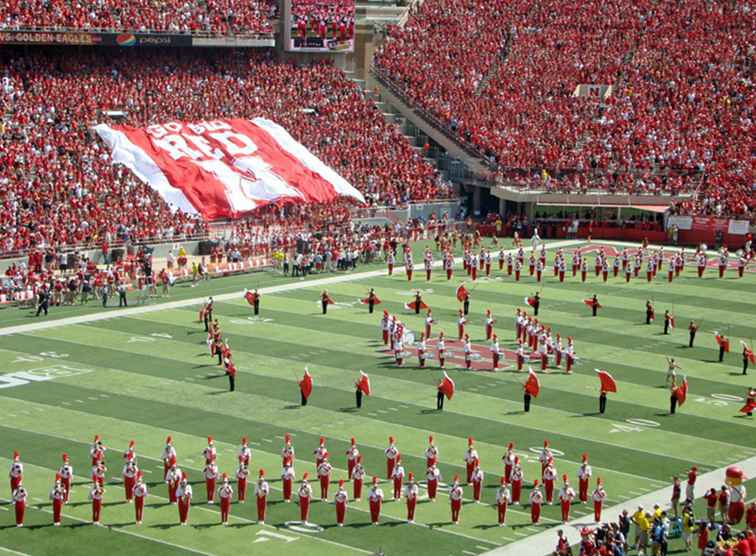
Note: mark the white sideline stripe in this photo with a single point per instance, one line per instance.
(127, 312)
(543, 542)
(10, 551)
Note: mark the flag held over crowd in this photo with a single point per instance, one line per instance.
(224, 168)
(607, 381)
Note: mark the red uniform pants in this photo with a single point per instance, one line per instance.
(261, 506)
(304, 508)
(20, 510)
(225, 508)
(357, 487)
(535, 513)
(502, 507)
(411, 503)
(375, 510)
(456, 505)
(139, 507)
(241, 489)
(340, 512)
(96, 507)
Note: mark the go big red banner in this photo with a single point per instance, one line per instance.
(224, 168)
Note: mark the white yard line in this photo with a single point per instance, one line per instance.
(545, 541)
(82, 319)
(16, 552)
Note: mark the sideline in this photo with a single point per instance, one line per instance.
(81, 319)
(544, 542)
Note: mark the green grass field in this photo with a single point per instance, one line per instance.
(144, 376)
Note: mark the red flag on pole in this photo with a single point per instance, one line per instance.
(461, 292)
(748, 353)
(530, 301)
(250, 297)
(364, 383)
(365, 300)
(607, 381)
(328, 299)
(722, 341)
(589, 302)
(532, 386)
(305, 385)
(411, 305)
(447, 386)
(681, 392)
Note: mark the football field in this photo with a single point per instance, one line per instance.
(146, 373)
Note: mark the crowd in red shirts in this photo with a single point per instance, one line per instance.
(217, 17)
(58, 186)
(500, 77)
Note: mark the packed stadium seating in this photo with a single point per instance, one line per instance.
(58, 186)
(500, 79)
(215, 17)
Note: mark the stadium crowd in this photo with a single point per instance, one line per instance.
(500, 78)
(59, 188)
(216, 17)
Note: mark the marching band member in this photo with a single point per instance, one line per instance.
(566, 496)
(210, 453)
(503, 499)
(490, 321)
(139, 493)
(517, 477)
(173, 480)
(375, 496)
(225, 494)
(321, 452)
(432, 478)
(323, 470)
(411, 491)
(549, 476)
(66, 475)
(287, 478)
(305, 494)
(245, 453)
(242, 475)
(96, 494)
(168, 456)
(57, 496)
(391, 453)
(495, 351)
(287, 453)
(130, 472)
(397, 476)
(130, 453)
(352, 454)
(340, 499)
(18, 497)
(262, 489)
(455, 497)
(441, 349)
(431, 453)
(599, 495)
(357, 476)
(508, 458)
(471, 458)
(477, 479)
(535, 499)
(210, 473)
(584, 473)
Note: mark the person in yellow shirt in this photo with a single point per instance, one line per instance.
(642, 521)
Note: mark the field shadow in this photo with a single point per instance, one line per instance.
(428, 411)
(292, 406)
(348, 409)
(202, 366)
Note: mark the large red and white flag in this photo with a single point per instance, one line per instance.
(224, 168)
